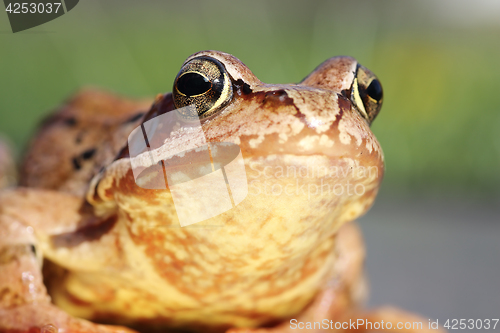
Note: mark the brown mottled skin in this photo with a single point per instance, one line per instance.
(7, 166)
(114, 252)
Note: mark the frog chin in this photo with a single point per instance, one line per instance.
(276, 246)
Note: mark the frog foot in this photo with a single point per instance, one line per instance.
(25, 306)
(24, 303)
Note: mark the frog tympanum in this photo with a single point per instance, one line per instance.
(84, 248)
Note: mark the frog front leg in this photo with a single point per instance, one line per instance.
(28, 217)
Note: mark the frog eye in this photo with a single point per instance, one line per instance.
(367, 93)
(202, 88)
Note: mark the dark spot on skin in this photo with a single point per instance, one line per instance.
(135, 118)
(70, 121)
(76, 163)
(344, 104)
(88, 153)
(274, 100)
(346, 93)
(340, 115)
(246, 89)
(277, 93)
(277, 98)
(300, 115)
(33, 249)
(242, 87)
(79, 137)
(96, 195)
(87, 233)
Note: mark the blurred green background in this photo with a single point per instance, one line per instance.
(437, 61)
(432, 236)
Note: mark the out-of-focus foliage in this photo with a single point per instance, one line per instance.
(437, 60)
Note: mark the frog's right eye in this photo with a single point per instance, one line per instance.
(202, 88)
(193, 84)
(367, 93)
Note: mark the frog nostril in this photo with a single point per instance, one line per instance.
(86, 155)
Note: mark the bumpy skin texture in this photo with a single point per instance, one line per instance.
(115, 252)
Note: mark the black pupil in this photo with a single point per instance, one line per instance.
(191, 84)
(374, 90)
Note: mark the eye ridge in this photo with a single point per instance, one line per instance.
(192, 84)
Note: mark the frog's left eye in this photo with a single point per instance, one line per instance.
(202, 88)
(367, 93)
